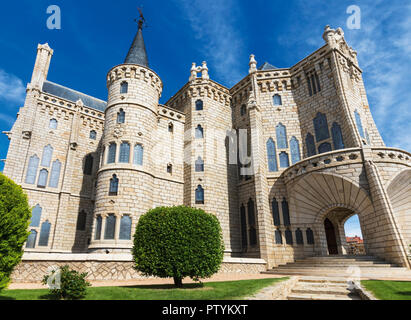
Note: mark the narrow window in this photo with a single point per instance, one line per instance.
(171, 127)
(55, 174)
(93, 135)
(321, 127)
(310, 236)
(243, 110)
(286, 213)
(284, 160)
(324, 147)
(252, 223)
(53, 124)
(299, 236)
(277, 100)
(337, 136)
(121, 116)
(125, 228)
(199, 195)
(276, 212)
(359, 123)
(44, 234)
(81, 221)
(288, 237)
(199, 165)
(99, 221)
(281, 133)
(124, 153)
(278, 237)
(124, 87)
(110, 230)
(244, 241)
(310, 144)
(310, 90)
(31, 240)
(138, 154)
(112, 150)
(295, 150)
(170, 168)
(313, 84)
(271, 156)
(317, 81)
(43, 176)
(113, 186)
(36, 216)
(32, 170)
(199, 132)
(47, 155)
(88, 165)
(199, 105)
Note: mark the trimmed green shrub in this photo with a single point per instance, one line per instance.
(15, 215)
(72, 285)
(178, 242)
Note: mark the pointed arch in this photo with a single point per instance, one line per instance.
(324, 147)
(114, 181)
(43, 177)
(281, 133)
(199, 165)
(272, 156)
(31, 239)
(124, 153)
(295, 150)
(47, 155)
(53, 124)
(36, 216)
(278, 237)
(199, 195)
(288, 237)
(55, 174)
(44, 234)
(337, 136)
(138, 154)
(199, 132)
(125, 227)
(286, 212)
(121, 116)
(124, 87)
(110, 230)
(32, 169)
(199, 105)
(299, 236)
(321, 127)
(359, 123)
(310, 145)
(277, 100)
(112, 150)
(284, 160)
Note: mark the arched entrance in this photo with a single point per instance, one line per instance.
(331, 237)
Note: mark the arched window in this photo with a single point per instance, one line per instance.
(295, 150)
(93, 135)
(252, 222)
(337, 136)
(110, 230)
(55, 174)
(42, 181)
(277, 100)
(288, 237)
(138, 154)
(359, 123)
(310, 236)
(284, 160)
(244, 241)
(99, 222)
(324, 147)
(171, 127)
(243, 110)
(32, 170)
(310, 144)
(124, 153)
(299, 236)
(44, 234)
(88, 165)
(286, 212)
(125, 228)
(121, 116)
(278, 237)
(31, 240)
(36, 216)
(281, 133)
(276, 212)
(199, 165)
(199, 195)
(271, 156)
(81, 221)
(199, 105)
(53, 124)
(124, 87)
(199, 132)
(113, 186)
(112, 150)
(321, 127)
(47, 155)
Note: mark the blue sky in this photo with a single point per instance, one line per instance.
(96, 35)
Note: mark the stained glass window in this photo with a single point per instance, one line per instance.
(32, 170)
(337, 136)
(281, 133)
(295, 150)
(44, 234)
(125, 228)
(321, 127)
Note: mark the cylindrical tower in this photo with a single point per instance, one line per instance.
(125, 179)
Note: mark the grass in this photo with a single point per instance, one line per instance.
(229, 290)
(389, 290)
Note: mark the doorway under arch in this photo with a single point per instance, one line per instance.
(331, 237)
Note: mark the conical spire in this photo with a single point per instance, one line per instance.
(137, 53)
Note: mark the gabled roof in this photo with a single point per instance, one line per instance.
(267, 66)
(73, 95)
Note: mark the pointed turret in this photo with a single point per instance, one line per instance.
(137, 53)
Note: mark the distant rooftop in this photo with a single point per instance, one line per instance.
(267, 66)
(73, 95)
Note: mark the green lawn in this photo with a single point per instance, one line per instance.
(208, 291)
(389, 290)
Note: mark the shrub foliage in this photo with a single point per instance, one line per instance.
(72, 284)
(15, 215)
(178, 242)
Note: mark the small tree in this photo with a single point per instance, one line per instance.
(178, 242)
(15, 215)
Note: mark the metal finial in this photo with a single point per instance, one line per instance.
(142, 21)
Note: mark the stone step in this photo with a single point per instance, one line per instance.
(341, 261)
(310, 289)
(339, 274)
(318, 280)
(341, 266)
(321, 297)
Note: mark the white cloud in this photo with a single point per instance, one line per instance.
(219, 42)
(11, 88)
